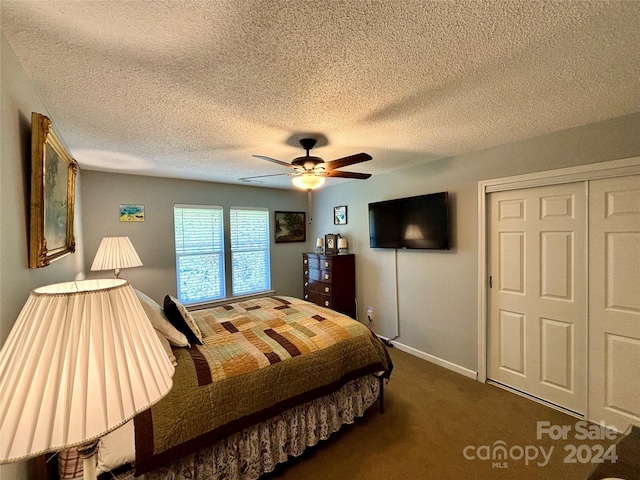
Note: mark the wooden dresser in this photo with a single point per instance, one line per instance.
(330, 281)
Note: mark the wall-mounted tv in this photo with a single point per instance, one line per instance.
(413, 222)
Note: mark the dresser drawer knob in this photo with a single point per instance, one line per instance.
(326, 264)
(306, 272)
(306, 297)
(326, 303)
(305, 261)
(326, 276)
(326, 289)
(306, 284)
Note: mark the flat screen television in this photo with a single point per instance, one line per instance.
(414, 222)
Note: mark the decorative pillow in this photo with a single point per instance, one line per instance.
(160, 321)
(182, 319)
(167, 348)
(117, 448)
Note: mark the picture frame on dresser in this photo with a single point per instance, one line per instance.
(331, 242)
(53, 177)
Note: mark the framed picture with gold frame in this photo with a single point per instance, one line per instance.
(53, 180)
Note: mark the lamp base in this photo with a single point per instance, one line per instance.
(320, 249)
(88, 454)
(89, 468)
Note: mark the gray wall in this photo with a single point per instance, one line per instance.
(18, 100)
(437, 290)
(153, 239)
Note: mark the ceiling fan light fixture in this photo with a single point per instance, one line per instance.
(307, 181)
(310, 171)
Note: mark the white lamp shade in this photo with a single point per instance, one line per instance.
(81, 360)
(342, 242)
(307, 181)
(115, 253)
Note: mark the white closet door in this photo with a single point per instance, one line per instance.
(614, 301)
(537, 303)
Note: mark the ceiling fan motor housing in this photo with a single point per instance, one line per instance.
(307, 162)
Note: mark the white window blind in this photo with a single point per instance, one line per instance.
(250, 264)
(199, 235)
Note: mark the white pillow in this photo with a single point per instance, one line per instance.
(117, 448)
(167, 348)
(160, 321)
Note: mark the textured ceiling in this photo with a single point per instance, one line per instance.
(191, 89)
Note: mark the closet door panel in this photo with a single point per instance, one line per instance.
(614, 301)
(537, 305)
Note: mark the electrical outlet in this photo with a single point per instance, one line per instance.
(370, 314)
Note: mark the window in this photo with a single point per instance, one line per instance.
(199, 253)
(250, 264)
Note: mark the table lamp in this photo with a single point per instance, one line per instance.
(342, 245)
(115, 253)
(81, 360)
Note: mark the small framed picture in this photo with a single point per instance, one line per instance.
(132, 213)
(331, 242)
(340, 215)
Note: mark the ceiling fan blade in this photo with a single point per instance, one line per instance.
(273, 160)
(350, 160)
(262, 176)
(338, 173)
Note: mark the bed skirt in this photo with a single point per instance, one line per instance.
(256, 450)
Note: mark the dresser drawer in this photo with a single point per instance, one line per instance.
(313, 261)
(318, 299)
(313, 274)
(318, 287)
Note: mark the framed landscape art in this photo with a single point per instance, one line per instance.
(53, 176)
(290, 227)
(132, 213)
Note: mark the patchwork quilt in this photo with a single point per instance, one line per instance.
(259, 358)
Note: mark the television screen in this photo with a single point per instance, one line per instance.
(413, 222)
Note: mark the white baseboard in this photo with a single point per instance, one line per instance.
(433, 359)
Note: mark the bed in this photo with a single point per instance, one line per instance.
(256, 382)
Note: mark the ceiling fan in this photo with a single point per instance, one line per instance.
(309, 172)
